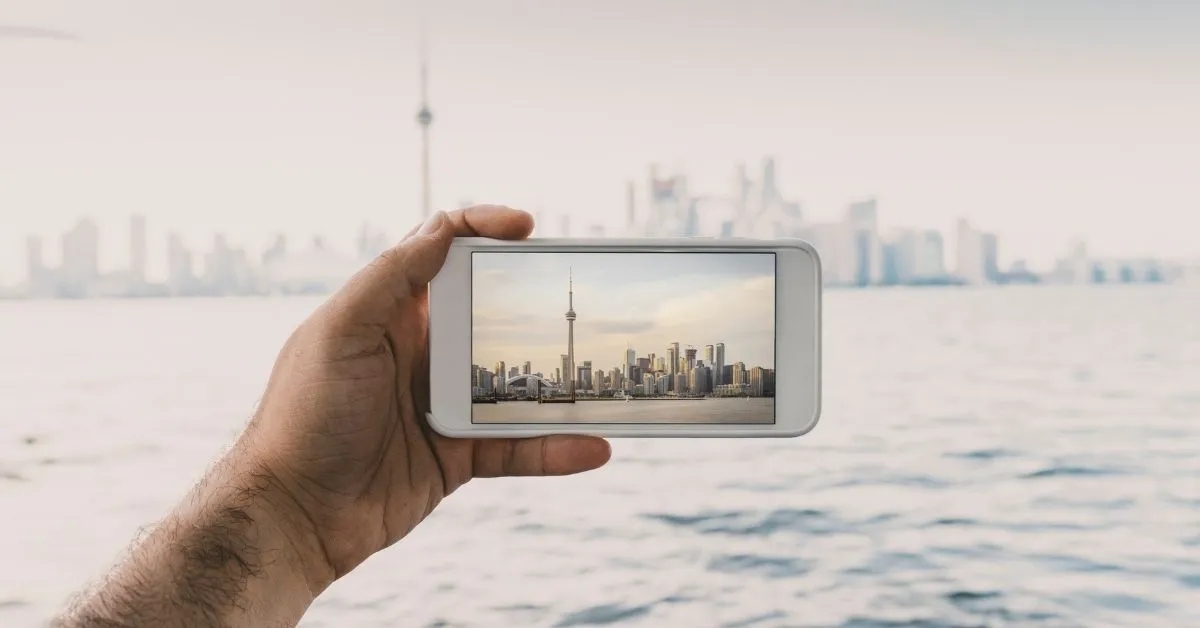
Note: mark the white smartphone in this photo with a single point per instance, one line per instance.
(657, 338)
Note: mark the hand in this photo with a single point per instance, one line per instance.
(341, 429)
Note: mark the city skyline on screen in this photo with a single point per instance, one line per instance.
(639, 302)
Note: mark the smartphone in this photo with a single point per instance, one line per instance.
(623, 338)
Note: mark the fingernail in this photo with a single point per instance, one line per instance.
(433, 224)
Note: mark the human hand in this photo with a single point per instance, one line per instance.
(341, 430)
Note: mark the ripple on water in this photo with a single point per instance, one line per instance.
(950, 522)
(604, 614)
(871, 622)
(757, 620)
(983, 454)
(750, 523)
(891, 562)
(771, 567)
(1059, 471)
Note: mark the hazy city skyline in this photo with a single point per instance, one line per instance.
(1041, 122)
(644, 301)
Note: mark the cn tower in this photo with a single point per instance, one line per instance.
(424, 118)
(571, 333)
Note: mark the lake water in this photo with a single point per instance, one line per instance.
(745, 410)
(1003, 457)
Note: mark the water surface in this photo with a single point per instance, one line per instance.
(1003, 457)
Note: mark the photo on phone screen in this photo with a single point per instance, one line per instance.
(623, 337)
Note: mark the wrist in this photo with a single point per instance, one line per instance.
(287, 534)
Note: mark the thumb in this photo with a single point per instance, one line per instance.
(370, 297)
(422, 256)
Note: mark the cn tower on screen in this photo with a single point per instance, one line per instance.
(571, 332)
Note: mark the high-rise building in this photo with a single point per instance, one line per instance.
(137, 248)
(585, 375)
(565, 367)
(648, 384)
(931, 259)
(673, 357)
(660, 364)
(862, 218)
(762, 382)
(630, 360)
(681, 383)
(739, 374)
(643, 365)
(513, 372)
(501, 384)
(527, 368)
(991, 252)
(616, 379)
(719, 364)
(971, 267)
(698, 380)
(180, 276)
(80, 257)
(691, 358)
(708, 354)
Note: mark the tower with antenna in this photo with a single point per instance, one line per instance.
(424, 119)
(571, 332)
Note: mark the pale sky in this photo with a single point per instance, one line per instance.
(643, 301)
(1042, 121)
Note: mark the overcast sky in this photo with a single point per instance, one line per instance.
(643, 301)
(1040, 120)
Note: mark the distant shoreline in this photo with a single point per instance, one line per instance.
(828, 288)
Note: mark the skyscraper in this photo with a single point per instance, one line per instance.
(673, 357)
(691, 358)
(527, 368)
(971, 263)
(719, 365)
(571, 331)
(708, 354)
(991, 264)
(862, 220)
(630, 360)
(81, 256)
(501, 385)
(565, 368)
(739, 374)
(179, 265)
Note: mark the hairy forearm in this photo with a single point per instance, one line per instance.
(230, 555)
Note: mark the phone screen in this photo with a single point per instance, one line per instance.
(623, 337)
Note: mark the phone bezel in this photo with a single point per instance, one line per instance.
(797, 354)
